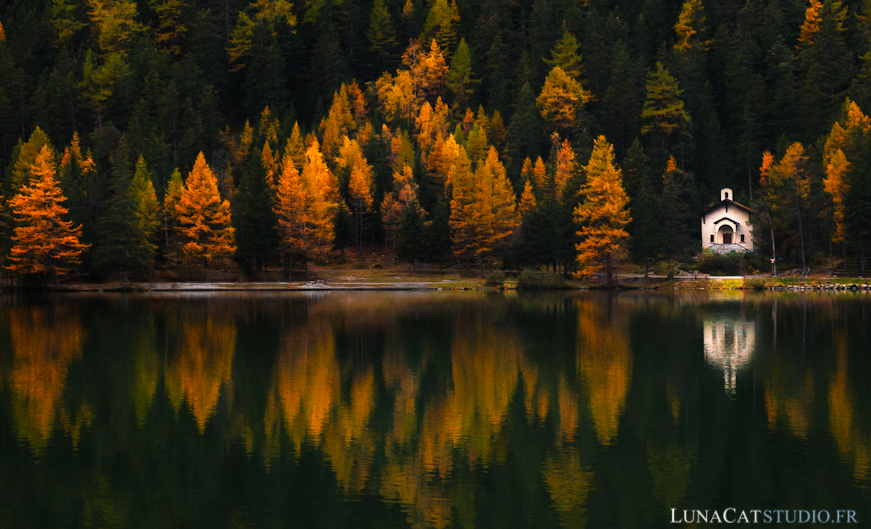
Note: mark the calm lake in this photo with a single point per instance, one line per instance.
(431, 409)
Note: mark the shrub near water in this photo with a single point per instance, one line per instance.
(531, 280)
(496, 279)
(720, 264)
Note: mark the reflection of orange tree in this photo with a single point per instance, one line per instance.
(605, 364)
(486, 365)
(309, 398)
(202, 366)
(847, 436)
(44, 343)
(789, 397)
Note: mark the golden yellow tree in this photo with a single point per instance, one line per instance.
(788, 193)
(44, 242)
(339, 122)
(842, 159)
(359, 184)
(462, 184)
(527, 201)
(835, 184)
(483, 210)
(290, 210)
(502, 201)
(561, 100)
(203, 217)
(565, 168)
(604, 212)
(810, 27)
(322, 188)
(395, 203)
(432, 124)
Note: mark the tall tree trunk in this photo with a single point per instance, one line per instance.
(773, 249)
(801, 240)
(610, 272)
(844, 255)
(750, 183)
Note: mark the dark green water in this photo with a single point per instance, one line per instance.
(430, 409)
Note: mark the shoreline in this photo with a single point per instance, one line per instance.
(456, 283)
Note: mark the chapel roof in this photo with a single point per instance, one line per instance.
(726, 202)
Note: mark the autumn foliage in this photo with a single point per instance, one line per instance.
(604, 212)
(204, 219)
(45, 243)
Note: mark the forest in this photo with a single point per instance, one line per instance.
(505, 133)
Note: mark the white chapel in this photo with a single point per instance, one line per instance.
(726, 225)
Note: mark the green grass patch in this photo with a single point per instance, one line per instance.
(531, 280)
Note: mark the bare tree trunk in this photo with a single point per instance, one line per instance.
(844, 255)
(773, 249)
(750, 183)
(610, 274)
(801, 240)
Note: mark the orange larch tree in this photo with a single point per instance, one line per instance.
(44, 242)
(462, 185)
(203, 217)
(323, 189)
(604, 213)
(561, 100)
(359, 184)
(394, 204)
(290, 210)
(502, 201)
(788, 193)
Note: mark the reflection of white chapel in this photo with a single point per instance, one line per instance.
(729, 344)
(726, 225)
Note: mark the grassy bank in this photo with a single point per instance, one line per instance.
(776, 284)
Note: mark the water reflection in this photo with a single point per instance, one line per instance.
(605, 362)
(202, 365)
(45, 341)
(853, 445)
(729, 345)
(395, 410)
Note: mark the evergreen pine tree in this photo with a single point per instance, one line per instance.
(410, 246)
(382, 37)
(253, 217)
(663, 114)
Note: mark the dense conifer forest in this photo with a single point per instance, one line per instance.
(514, 133)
